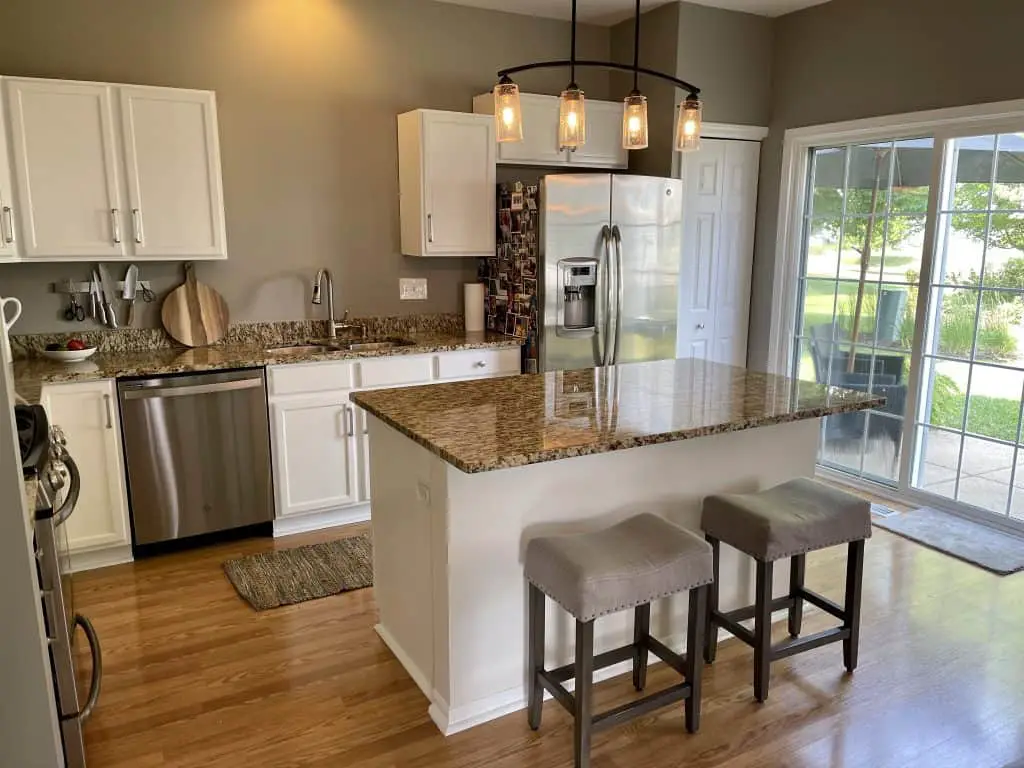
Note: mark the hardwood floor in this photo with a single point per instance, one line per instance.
(194, 677)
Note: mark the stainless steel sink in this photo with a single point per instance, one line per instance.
(300, 349)
(339, 345)
(368, 345)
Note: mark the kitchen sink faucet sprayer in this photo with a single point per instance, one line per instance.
(332, 325)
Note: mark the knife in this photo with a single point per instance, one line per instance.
(108, 296)
(97, 304)
(131, 284)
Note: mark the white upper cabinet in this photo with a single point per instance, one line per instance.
(172, 160)
(446, 174)
(104, 171)
(603, 147)
(64, 158)
(9, 241)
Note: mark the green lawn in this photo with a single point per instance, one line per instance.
(990, 416)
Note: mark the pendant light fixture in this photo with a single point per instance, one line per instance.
(507, 111)
(572, 113)
(572, 118)
(689, 124)
(634, 108)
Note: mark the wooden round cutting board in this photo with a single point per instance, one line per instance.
(194, 313)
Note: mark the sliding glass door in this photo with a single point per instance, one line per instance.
(912, 286)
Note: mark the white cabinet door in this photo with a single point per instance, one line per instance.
(8, 232)
(459, 184)
(65, 171)
(314, 450)
(540, 134)
(603, 147)
(172, 157)
(87, 413)
(718, 234)
(735, 259)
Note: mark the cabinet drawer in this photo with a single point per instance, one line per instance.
(316, 377)
(383, 372)
(478, 362)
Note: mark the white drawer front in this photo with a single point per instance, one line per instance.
(478, 362)
(383, 372)
(315, 377)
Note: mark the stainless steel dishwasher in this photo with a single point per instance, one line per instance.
(198, 453)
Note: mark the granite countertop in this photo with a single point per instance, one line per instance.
(489, 424)
(30, 374)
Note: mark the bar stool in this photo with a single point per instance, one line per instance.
(594, 574)
(789, 520)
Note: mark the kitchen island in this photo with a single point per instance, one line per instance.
(464, 474)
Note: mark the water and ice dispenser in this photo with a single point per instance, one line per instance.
(577, 299)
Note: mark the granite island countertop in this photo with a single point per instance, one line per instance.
(30, 374)
(490, 424)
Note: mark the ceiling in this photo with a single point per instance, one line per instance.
(608, 12)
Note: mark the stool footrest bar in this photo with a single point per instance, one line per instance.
(742, 614)
(823, 602)
(556, 689)
(601, 660)
(640, 707)
(797, 645)
(666, 654)
(734, 627)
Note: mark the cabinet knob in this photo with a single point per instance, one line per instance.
(480, 364)
(700, 326)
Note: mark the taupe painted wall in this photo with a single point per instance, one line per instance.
(728, 55)
(307, 91)
(852, 59)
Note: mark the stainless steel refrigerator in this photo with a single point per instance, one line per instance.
(608, 263)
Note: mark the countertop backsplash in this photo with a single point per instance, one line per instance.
(144, 339)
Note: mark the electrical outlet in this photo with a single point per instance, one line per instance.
(414, 288)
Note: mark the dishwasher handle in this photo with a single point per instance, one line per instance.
(143, 392)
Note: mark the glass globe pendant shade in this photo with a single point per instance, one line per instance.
(508, 115)
(572, 119)
(689, 124)
(634, 121)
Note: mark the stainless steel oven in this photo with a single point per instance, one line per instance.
(77, 688)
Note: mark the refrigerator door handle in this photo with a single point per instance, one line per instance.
(617, 237)
(606, 236)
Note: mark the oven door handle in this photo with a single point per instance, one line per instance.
(74, 488)
(97, 666)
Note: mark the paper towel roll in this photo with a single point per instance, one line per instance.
(474, 306)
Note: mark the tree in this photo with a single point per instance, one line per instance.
(1007, 229)
(829, 203)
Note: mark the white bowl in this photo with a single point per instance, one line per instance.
(69, 355)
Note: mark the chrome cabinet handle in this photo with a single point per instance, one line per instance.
(115, 225)
(110, 413)
(480, 364)
(137, 225)
(700, 326)
(430, 227)
(8, 222)
(349, 416)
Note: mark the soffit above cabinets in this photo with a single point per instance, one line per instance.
(609, 12)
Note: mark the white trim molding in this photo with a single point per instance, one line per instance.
(733, 131)
(315, 521)
(943, 124)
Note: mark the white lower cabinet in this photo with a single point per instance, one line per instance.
(320, 447)
(87, 413)
(314, 453)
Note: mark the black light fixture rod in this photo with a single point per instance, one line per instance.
(572, 52)
(693, 90)
(636, 49)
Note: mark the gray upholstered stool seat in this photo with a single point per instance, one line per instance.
(639, 560)
(592, 574)
(789, 520)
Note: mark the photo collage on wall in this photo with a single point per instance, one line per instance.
(510, 275)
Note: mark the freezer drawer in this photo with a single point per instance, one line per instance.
(197, 448)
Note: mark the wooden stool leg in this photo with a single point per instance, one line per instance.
(797, 568)
(583, 693)
(763, 629)
(710, 628)
(535, 620)
(696, 622)
(854, 583)
(641, 629)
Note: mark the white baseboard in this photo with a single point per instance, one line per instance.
(101, 558)
(417, 674)
(314, 521)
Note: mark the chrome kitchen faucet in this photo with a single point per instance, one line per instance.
(333, 326)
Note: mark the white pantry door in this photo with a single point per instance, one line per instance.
(720, 182)
(172, 157)
(63, 151)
